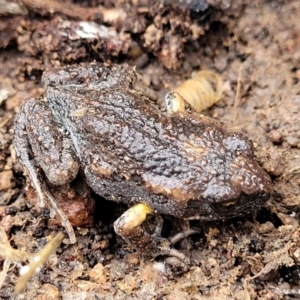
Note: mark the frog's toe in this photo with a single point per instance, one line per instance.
(176, 266)
(173, 253)
(175, 262)
(183, 234)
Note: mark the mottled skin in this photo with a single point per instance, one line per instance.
(185, 165)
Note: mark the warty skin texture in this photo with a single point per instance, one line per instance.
(183, 164)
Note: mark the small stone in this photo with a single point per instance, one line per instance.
(265, 227)
(292, 141)
(128, 284)
(103, 244)
(287, 220)
(6, 196)
(275, 136)
(152, 271)
(221, 63)
(285, 286)
(51, 291)
(178, 295)
(7, 223)
(11, 210)
(117, 270)
(297, 255)
(156, 82)
(6, 180)
(146, 79)
(97, 274)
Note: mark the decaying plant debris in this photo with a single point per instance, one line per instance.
(256, 49)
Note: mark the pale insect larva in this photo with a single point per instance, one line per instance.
(201, 92)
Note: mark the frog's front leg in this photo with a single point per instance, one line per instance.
(50, 145)
(40, 142)
(129, 227)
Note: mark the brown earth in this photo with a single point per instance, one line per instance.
(256, 49)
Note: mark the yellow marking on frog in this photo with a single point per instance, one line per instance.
(175, 189)
(102, 169)
(229, 203)
(194, 152)
(80, 112)
(126, 175)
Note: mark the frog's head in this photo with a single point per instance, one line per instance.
(237, 184)
(245, 191)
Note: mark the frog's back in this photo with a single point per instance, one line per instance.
(184, 165)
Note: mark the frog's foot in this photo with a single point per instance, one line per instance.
(128, 226)
(176, 262)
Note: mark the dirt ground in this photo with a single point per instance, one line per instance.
(256, 49)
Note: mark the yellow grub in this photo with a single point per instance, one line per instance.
(201, 92)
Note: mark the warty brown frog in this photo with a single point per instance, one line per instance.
(183, 164)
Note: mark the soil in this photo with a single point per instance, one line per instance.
(256, 49)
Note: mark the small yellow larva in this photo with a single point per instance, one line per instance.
(201, 92)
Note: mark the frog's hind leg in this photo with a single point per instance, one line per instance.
(128, 226)
(24, 154)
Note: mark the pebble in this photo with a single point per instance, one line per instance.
(288, 220)
(265, 227)
(6, 180)
(275, 136)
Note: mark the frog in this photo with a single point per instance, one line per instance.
(182, 164)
